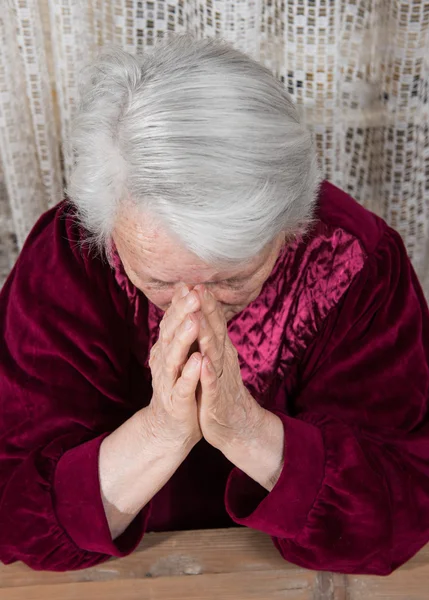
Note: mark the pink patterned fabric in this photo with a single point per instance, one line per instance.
(272, 333)
(336, 344)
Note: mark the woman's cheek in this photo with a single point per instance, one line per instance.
(161, 298)
(229, 297)
(232, 297)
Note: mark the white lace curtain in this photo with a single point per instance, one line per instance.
(358, 69)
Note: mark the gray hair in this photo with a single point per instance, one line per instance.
(200, 135)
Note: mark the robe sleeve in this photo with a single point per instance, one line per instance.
(63, 356)
(353, 495)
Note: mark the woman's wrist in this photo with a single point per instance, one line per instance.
(261, 455)
(133, 466)
(158, 440)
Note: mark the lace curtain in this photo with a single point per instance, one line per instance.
(358, 69)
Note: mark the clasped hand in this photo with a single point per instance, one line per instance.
(199, 394)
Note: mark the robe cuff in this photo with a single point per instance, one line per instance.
(79, 506)
(283, 511)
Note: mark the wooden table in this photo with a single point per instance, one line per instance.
(222, 564)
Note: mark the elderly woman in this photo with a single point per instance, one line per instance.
(204, 336)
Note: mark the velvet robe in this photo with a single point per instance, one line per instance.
(336, 344)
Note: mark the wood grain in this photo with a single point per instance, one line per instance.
(236, 563)
(167, 554)
(259, 585)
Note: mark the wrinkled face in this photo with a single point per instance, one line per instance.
(157, 264)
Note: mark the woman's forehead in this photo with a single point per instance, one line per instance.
(173, 263)
(152, 252)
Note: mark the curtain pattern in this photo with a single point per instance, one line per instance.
(358, 70)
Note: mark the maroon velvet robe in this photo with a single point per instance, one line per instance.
(336, 345)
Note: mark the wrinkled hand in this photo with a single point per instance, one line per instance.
(228, 414)
(173, 410)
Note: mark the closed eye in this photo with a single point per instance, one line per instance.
(235, 283)
(161, 284)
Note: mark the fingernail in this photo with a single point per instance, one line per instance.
(209, 366)
(183, 291)
(195, 361)
(191, 301)
(203, 322)
(188, 323)
(207, 294)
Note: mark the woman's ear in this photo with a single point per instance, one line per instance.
(282, 239)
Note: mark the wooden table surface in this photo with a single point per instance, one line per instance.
(222, 564)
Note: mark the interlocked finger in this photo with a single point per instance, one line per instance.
(188, 380)
(213, 330)
(213, 313)
(176, 353)
(175, 315)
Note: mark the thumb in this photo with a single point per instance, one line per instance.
(209, 379)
